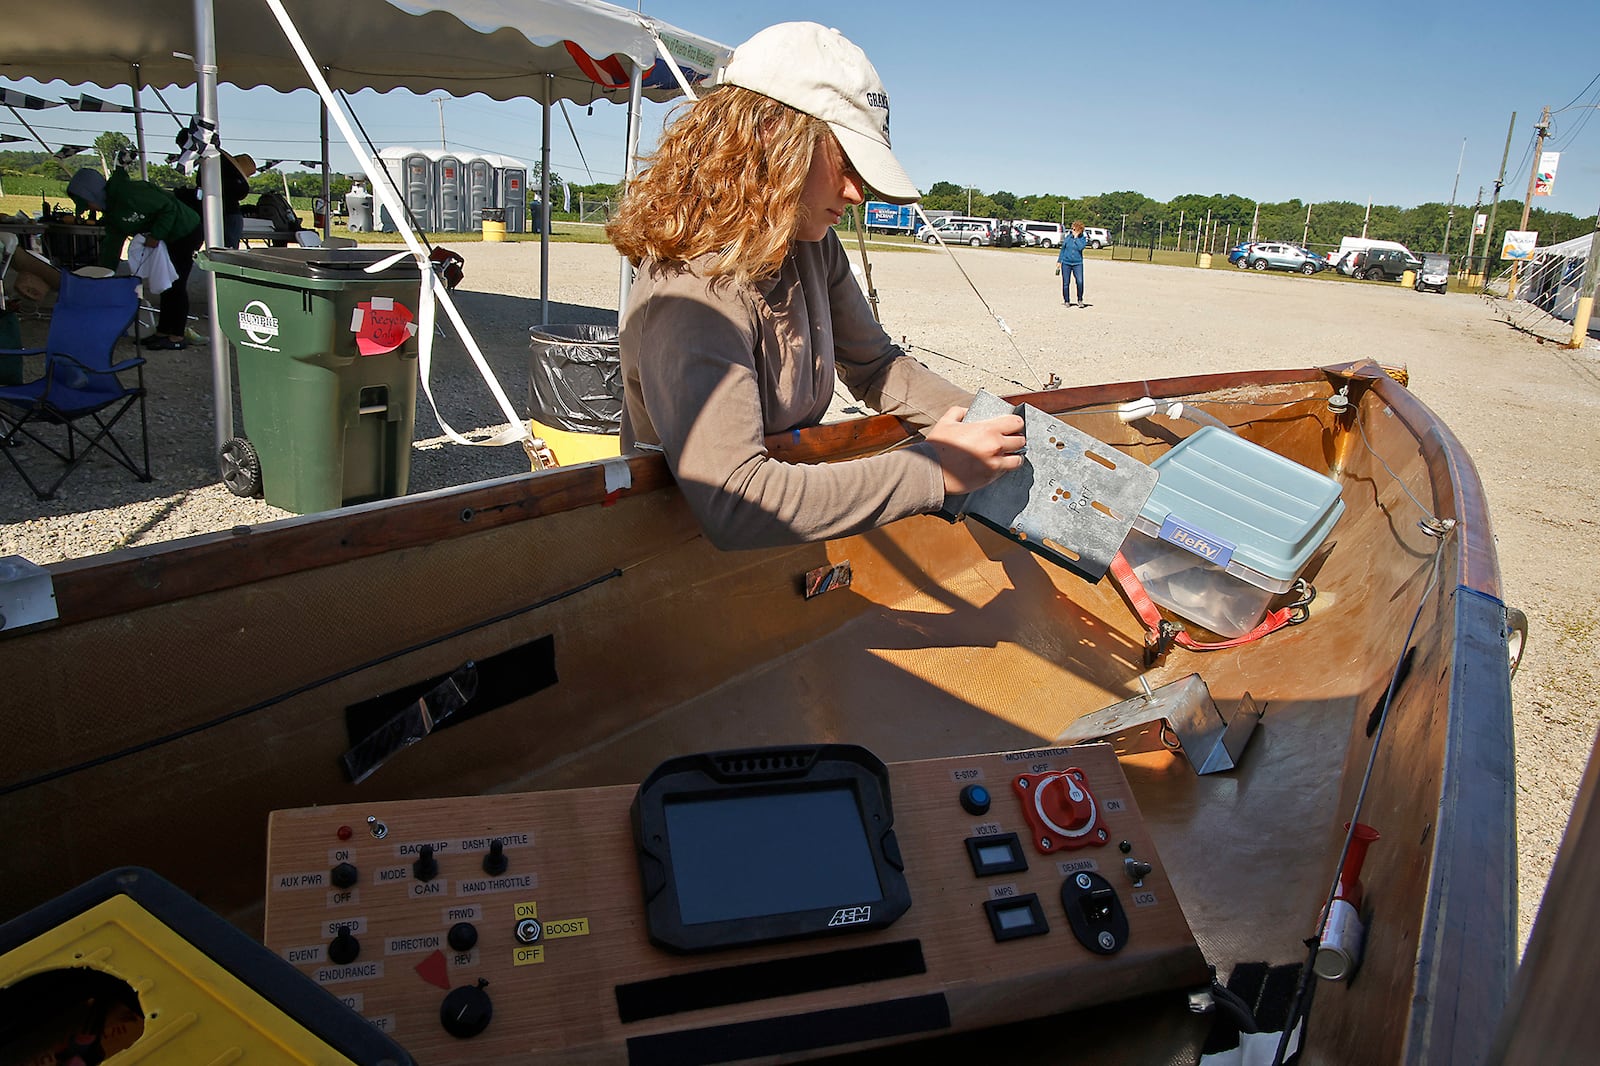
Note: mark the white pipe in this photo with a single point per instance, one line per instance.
(1145, 407)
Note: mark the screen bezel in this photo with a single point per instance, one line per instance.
(766, 772)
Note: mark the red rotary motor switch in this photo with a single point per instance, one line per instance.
(1060, 810)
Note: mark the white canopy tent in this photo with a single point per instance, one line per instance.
(546, 50)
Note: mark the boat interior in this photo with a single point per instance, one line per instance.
(189, 690)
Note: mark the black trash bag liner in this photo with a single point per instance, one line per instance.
(575, 378)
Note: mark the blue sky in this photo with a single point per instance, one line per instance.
(1270, 101)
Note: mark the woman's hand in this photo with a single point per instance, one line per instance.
(972, 454)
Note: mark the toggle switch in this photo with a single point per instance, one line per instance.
(426, 868)
(495, 863)
(463, 936)
(345, 875)
(344, 948)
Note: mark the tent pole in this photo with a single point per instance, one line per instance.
(629, 168)
(205, 69)
(544, 205)
(138, 121)
(327, 182)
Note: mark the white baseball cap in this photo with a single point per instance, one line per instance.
(816, 70)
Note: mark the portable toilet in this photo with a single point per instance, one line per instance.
(480, 185)
(450, 194)
(514, 194)
(411, 171)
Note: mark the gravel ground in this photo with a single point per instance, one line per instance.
(1510, 397)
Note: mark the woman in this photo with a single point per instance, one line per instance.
(1069, 263)
(129, 207)
(745, 308)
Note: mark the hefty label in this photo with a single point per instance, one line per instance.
(1212, 549)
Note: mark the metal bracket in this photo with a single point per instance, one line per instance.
(27, 595)
(1178, 716)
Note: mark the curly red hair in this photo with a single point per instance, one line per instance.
(724, 181)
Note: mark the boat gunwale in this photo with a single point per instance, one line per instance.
(134, 578)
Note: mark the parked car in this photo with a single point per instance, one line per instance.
(1434, 273)
(1385, 264)
(1275, 255)
(1098, 238)
(1237, 253)
(959, 230)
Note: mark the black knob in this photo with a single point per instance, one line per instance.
(344, 948)
(426, 868)
(466, 1011)
(494, 863)
(462, 936)
(345, 875)
(975, 799)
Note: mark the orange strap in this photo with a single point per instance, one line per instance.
(1162, 633)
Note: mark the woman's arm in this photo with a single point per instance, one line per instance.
(872, 367)
(692, 351)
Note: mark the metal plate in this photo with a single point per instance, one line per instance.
(1073, 500)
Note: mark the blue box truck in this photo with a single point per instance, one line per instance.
(890, 218)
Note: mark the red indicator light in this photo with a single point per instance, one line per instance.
(344, 832)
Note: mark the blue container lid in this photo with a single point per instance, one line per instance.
(1246, 509)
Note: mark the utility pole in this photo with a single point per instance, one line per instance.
(440, 101)
(1366, 218)
(1450, 214)
(1305, 234)
(1533, 179)
(1254, 222)
(1472, 231)
(1494, 203)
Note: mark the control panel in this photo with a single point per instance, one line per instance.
(964, 893)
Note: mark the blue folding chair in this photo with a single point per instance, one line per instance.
(81, 390)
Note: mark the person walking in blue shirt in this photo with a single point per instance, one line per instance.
(1070, 262)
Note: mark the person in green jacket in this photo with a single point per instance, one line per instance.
(128, 207)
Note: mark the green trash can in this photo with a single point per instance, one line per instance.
(327, 358)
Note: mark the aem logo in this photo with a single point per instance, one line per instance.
(850, 916)
(258, 322)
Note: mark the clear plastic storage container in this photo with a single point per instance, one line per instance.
(1229, 526)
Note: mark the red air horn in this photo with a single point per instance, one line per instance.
(1339, 952)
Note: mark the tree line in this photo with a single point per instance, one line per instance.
(1131, 217)
(1135, 218)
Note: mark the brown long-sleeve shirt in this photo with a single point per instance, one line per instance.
(710, 368)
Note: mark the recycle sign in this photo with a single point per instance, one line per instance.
(381, 325)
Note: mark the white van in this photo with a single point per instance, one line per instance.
(1098, 238)
(1041, 234)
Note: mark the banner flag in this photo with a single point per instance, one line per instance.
(1520, 244)
(1480, 222)
(88, 103)
(1546, 179)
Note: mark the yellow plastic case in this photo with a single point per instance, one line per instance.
(133, 969)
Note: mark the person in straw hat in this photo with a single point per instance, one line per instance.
(745, 308)
(236, 173)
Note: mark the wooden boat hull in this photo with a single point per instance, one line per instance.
(189, 689)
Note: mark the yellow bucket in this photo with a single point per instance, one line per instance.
(493, 231)
(1205, 261)
(1408, 278)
